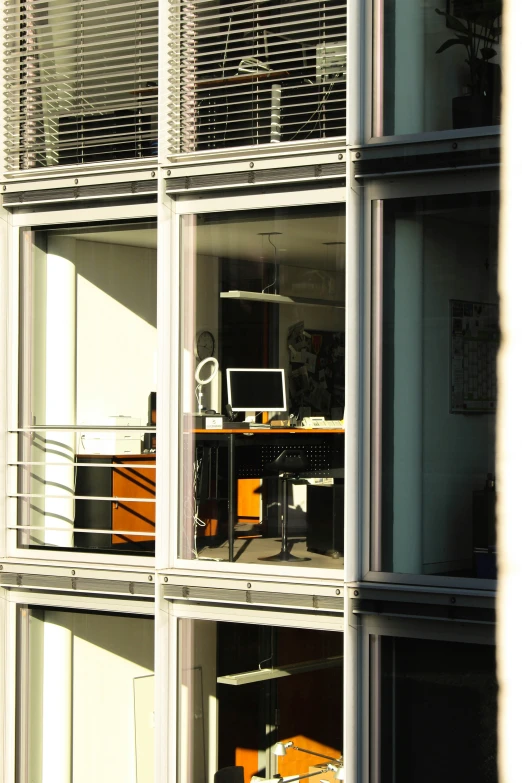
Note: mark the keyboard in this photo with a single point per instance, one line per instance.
(325, 424)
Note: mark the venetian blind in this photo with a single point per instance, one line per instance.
(258, 71)
(80, 81)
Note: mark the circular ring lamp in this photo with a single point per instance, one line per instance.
(210, 360)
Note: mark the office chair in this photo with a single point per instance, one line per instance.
(286, 467)
(230, 775)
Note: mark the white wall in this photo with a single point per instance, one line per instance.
(116, 331)
(85, 665)
(109, 653)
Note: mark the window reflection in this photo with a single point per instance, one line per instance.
(440, 335)
(442, 65)
(438, 699)
(263, 386)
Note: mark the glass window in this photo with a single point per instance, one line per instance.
(437, 326)
(441, 65)
(88, 388)
(437, 711)
(89, 707)
(263, 386)
(81, 82)
(254, 73)
(266, 699)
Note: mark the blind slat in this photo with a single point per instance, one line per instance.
(80, 81)
(250, 73)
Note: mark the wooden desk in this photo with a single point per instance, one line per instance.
(243, 78)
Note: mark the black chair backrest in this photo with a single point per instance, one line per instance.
(230, 775)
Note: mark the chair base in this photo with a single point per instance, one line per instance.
(285, 557)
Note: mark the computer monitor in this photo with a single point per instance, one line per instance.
(256, 390)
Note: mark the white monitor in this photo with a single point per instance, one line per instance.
(256, 390)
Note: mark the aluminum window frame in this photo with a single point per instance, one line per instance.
(14, 706)
(174, 611)
(204, 204)
(373, 110)
(21, 220)
(371, 631)
(376, 192)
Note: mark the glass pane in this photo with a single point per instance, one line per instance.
(268, 700)
(89, 713)
(441, 65)
(267, 74)
(263, 331)
(440, 336)
(88, 387)
(438, 712)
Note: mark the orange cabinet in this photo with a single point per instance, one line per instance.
(134, 482)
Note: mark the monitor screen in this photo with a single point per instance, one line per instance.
(256, 390)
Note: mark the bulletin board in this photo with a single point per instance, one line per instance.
(316, 378)
(475, 337)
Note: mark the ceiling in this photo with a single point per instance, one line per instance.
(134, 237)
(301, 241)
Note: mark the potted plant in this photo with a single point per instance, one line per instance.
(477, 28)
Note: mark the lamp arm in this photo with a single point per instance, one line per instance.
(314, 753)
(302, 777)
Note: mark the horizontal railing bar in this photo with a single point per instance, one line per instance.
(149, 534)
(35, 496)
(112, 465)
(86, 427)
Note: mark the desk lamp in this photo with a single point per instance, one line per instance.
(202, 382)
(339, 775)
(281, 748)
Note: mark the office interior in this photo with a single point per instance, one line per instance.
(262, 698)
(440, 335)
(89, 369)
(89, 713)
(264, 290)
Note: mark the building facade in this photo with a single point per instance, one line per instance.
(248, 335)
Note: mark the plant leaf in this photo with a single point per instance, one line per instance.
(451, 42)
(488, 53)
(455, 23)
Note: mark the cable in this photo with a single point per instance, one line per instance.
(197, 521)
(319, 107)
(275, 266)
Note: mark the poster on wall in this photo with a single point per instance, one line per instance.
(475, 337)
(316, 382)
